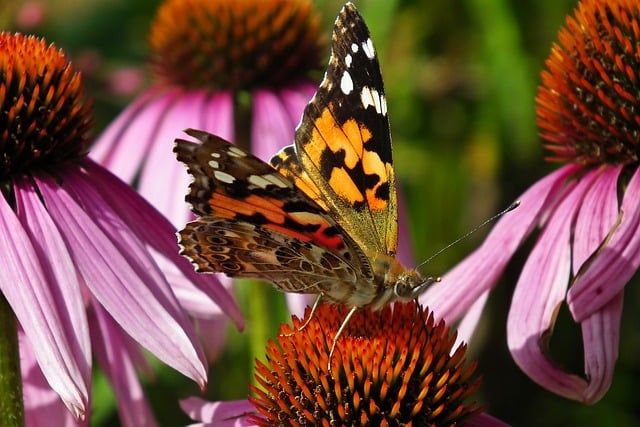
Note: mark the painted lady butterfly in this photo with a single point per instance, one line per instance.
(322, 217)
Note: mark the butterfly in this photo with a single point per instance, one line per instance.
(321, 217)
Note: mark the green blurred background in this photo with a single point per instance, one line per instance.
(460, 78)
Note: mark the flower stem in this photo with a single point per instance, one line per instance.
(11, 405)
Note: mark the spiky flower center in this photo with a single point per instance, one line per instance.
(588, 106)
(232, 44)
(44, 118)
(394, 367)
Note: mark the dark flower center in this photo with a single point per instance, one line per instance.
(589, 104)
(233, 44)
(393, 367)
(44, 118)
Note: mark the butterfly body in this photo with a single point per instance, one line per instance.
(321, 217)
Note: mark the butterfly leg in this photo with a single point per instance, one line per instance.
(340, 330)
(313, 311)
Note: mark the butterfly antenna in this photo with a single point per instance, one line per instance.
(511, 207)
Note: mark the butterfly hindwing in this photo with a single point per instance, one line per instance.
(234, 186)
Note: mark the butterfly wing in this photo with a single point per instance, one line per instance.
(234, 189)
(343, 143)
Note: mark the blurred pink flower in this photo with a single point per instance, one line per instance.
(588, 210)
(78, 250)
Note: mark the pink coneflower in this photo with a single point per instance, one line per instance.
(241, 70)
(587, 211)
(76, 245)
(393, 367)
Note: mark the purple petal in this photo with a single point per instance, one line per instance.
(484, 420)
(121, 275)
(618, 260)
(124, 145)
(538, 294)
(219, 414)
(297, 303)
(28, 289)
(42, 405)
(467, 325)
(156, 232)
(164, 180)
(598, 214)
(273, 127)
(601, 338)
(118, 366)
(296, 97)
(479, 272)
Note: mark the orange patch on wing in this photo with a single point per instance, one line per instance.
(351, 138)
(228, 207)
(343, 185)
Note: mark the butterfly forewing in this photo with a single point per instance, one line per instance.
(343, 142)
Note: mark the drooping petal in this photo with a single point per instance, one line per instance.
(484, 420)
(601, 338)
(116, 363)
(539, 292)
(478, 272)
(58, 265)
(120, 274)
(42, 405)
(27, 287)
(123, 146)
(219, 414)
(467, 325)
(296, 96)
(272, 125)
(164, 180)
(156, 232)
(617, 261)
(598, 214)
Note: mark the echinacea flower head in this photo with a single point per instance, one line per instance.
(76, 245)
(588, 211)
(392, 367)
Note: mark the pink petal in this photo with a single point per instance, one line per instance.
(219, 414)
(598, 214)
(42, 405)
(124, 278)
(273, 127)
(29, 290)
(601, 338)
(480, 271)
(116, 363)
(156, 232)
(618, 260)
(467, 325)
(164, 180)
(295, 98)
(123, 146)
(538, 294)
(484, 420)
(67, 289)
(297, 303)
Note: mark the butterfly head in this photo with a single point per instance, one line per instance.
(411, 285)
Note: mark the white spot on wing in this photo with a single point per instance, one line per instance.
(368, 48)
(236, 152)
(214, 164)
(223, 177)
(263, 181)
(347, 60)
(371, 97)
(346, 84)
(354, 48)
